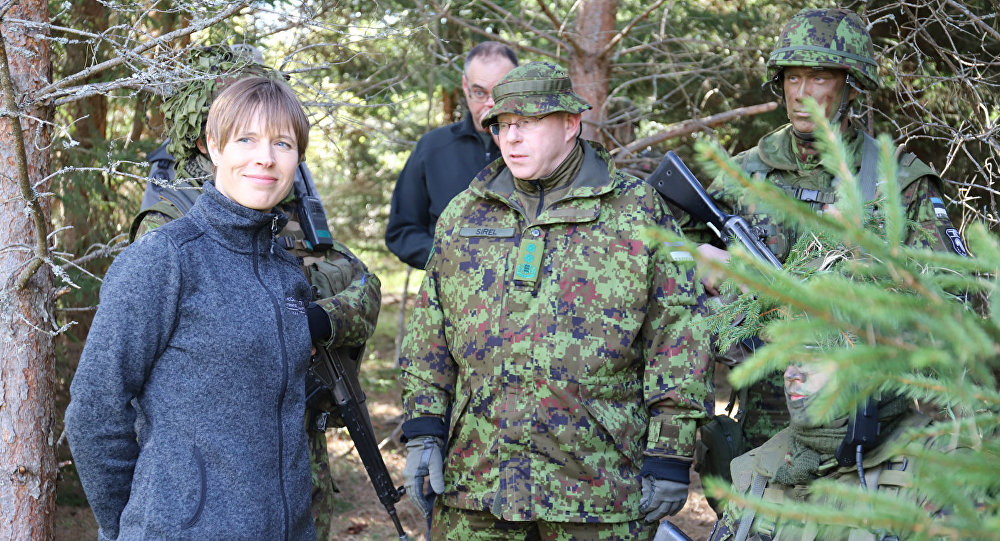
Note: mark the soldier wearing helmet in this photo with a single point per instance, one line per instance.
(827, 55)
(348, 295)
(570, 351)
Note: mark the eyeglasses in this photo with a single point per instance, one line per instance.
(477, 95)
(526, 124)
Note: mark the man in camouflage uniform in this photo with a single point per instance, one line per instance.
(348, 295)
(570, 349)
(825, 54)
(782, 469)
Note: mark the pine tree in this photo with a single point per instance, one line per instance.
(893, 319)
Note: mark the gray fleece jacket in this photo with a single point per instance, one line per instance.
(202, 322)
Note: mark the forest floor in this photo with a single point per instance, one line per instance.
(358, 515)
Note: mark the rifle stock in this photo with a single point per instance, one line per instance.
(349, 399)
(678, 185)
(668, 532)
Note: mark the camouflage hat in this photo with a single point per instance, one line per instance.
(827, 38)
(533, 89)
(211, 69)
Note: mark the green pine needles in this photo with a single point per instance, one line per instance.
(892, 318)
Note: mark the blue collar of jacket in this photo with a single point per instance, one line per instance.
(465, 127)
(233, 225)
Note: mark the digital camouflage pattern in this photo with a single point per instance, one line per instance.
(775, 160)
(451, 523)
(535, 89)
(886, 470)
(559, 386)
(829, 38)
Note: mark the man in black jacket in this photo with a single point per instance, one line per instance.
(446, 159)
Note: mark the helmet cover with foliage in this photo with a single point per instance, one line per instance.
(534, 89)
(211, 69)
(827, 38)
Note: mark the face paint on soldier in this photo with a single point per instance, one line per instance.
(823, 85)
(257, 166)
(801, 385)
(480, 76)
(534, 152)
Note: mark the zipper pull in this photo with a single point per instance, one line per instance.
(274, 232)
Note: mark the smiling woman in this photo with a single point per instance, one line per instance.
(257, 134)
(194, 370)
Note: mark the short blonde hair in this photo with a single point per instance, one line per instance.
(245, 99)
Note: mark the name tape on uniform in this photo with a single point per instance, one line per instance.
(486, 231)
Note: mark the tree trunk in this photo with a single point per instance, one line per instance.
(590, 63)
(27, 438)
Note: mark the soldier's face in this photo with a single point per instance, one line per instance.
(534, 152)
(480, 76)
(823, 85)
(807, 380)
(257, 166)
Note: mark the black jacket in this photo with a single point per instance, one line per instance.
(443, 163)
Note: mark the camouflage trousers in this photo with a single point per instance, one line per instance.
(322, 484)
(765, 412)
(450, 523)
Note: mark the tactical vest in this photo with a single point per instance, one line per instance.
(753, 471)
(780, 237)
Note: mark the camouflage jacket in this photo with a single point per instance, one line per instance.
(774, 159)
(885, 471)
(559, 385)
(346, 290)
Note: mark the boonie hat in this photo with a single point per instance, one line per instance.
(535, 89)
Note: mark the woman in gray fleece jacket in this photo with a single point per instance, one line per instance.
(201, 340)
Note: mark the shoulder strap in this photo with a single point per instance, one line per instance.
(757, 485)
(752, 163)
(165, 208)
(868, 175)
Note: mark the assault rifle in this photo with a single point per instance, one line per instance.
(668, 532)
(678, 185)
(342, 380)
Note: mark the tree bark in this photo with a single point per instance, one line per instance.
(589, 62)
(27, 438)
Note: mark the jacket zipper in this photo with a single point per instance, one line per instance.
(284, 375)
(541, 199)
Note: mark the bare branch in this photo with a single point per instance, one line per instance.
(23, 180)
(512, 44)
(690, 126)
(59, 88)
(979, 22)
(617, 39)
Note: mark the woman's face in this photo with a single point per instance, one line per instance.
(257, 166)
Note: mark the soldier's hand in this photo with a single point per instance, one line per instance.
(712, 279)
(661, 497)
(423, 463)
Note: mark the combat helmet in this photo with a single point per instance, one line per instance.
(533, 89)
(827, 38)
(186, 110)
